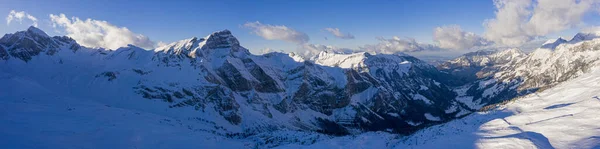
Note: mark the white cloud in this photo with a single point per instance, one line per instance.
(453, 37)
(19, 16)
(266, 50)
(269, 50)
(277, 32)
(337, 33)
(397, 44)
(591, 29)
(96, 33)
(161, 44)
(520, 21)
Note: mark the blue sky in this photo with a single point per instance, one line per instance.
(169, 21)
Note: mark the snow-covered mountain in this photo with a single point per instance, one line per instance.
(213, 88)
(230, 88)
(553, 43)
(497, 76)
(584, 36)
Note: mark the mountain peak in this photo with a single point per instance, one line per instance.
(195, 46)
(222, 32)
(31, 32)
(583, 36)
(26, 44)
(552, 43)
(36, 31)
(185, 46)
(221, 39)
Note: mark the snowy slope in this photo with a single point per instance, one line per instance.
(564, 116)
(34, 116)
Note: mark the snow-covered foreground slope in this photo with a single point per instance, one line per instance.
(565, 116)
(34, 116)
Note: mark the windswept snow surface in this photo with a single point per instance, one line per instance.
(37, 117)
(565, 116)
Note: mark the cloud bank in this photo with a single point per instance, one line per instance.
(269, 50)
(277, 32)
(520, 21)
(96, 33)
(453, 37)
(591, 29)
(19, 16)
(517, 23)
(396, 45)
(337, 33)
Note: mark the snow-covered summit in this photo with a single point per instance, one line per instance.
(178, 47)
(553, 43)
(376, 64)
(584, 36)
(26, 44)
(37, 31)
(191, 47)
(221, 39)
(32, 33)
(341, 60)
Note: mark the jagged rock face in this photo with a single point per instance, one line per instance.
(401, 100)
(26, 44)
(216, 76)
(222, 39)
